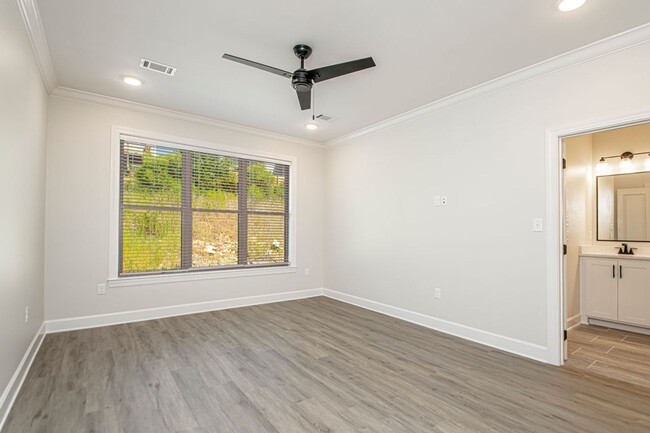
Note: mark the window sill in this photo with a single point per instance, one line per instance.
(198, 276)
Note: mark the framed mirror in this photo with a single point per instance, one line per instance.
(623, 207)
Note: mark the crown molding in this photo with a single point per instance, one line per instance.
(34, 26)
(604, 47)
(94, 98)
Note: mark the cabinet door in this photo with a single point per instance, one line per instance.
(600, 277)
(634, 292)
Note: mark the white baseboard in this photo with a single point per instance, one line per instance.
(74, 323)
(13, 387)
(621, 326)
(512, 345)
(573, 321)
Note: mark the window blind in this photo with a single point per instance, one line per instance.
(184, 210)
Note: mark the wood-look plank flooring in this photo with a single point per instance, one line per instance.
(612, 353)
(313, 365)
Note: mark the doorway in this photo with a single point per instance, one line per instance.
(605, 266)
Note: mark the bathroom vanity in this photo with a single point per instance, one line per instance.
(616, 287)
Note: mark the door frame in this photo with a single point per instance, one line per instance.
(555, 287)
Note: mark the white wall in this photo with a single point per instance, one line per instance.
(578, 197)
(23, 103)
(385, 241)
(77, 213)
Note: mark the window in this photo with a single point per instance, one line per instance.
(183, 210)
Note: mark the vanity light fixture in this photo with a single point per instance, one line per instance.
(625, 160)
(570, 5)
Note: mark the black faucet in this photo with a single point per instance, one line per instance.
(625, 250)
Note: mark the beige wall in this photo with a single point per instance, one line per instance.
(23, 103)
(578, 213)
(385, 241)
(77, 215)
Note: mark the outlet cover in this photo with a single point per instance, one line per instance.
(307, 272)
(101, 289)
(437, 293)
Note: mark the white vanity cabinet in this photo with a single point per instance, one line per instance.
(617, 289)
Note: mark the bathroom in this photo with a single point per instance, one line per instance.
(607, 261)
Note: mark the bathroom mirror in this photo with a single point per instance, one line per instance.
(623, 207)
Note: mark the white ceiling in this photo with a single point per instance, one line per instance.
(424, 50)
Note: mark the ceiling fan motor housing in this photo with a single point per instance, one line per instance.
(301, 81)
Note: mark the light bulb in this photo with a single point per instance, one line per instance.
(569, 5)
(625, 163)
(602, 165)
(311, 126)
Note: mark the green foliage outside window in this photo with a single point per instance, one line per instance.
(152, 176)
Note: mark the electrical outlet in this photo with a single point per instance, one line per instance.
(26, 314)
(101, 289)
(436, 200)
(437, 293)
(307, 272)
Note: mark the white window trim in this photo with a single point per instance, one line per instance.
(117, 132)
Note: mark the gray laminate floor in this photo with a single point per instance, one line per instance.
(314, 365)
(612, 353)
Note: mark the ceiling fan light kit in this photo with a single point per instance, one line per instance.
(302, 80)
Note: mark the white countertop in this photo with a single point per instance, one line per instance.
(611, 252)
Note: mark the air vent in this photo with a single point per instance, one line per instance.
(324, 118)
(157, 67)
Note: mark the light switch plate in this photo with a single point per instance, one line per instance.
(538, 225)
(443, 200)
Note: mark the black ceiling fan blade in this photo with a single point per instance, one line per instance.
(305, 100)
(328, 72)
(266, 68)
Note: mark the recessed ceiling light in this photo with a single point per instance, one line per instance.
(311, 126)
(131, 81)
(569, 5)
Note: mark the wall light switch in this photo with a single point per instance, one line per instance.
(436, 200)
(443, 200)
(538, 225)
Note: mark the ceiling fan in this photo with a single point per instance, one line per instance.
(301, 79)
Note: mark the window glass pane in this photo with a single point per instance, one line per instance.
(151, 175)
(166, 192)
(151, 240)
(214, 240)
(214, 181)
(266, 186)
(266, 239)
